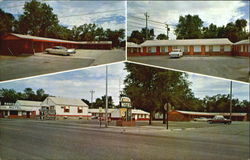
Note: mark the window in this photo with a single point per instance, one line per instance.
(216, 48)
(197, 48)
(210, 48)
(52, 107)
(164, 49)
(186, 48)
(80, 109)
(66, 109)
(151, 49)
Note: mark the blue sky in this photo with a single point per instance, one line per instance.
(216, 12)
(66, 9)
(77, 84)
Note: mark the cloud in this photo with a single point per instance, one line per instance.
(216, 12)
(76, 13)
(208, 86)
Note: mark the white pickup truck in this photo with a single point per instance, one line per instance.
(176, 53)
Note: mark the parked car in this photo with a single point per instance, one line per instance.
(60, 50)
(219, 119)
(176, 53)
(201, 119)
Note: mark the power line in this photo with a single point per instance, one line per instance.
(152, 26)
(141, 26)
(90, 13)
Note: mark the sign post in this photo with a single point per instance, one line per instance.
(167, 106)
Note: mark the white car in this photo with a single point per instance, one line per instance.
(60, 50)
(176, 53)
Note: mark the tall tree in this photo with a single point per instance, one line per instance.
(150, 88)
(37, 19)
(189, 27)
(7, 22)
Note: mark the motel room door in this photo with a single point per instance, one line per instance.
(28, 114)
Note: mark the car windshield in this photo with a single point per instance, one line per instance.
(59, 47)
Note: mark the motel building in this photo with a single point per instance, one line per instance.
(133, 49)
(16, 44)
(21, 109)
(118, 113)
(137, 114)
(242, 48)
(178, 115)
(215, 46)
(66, 108)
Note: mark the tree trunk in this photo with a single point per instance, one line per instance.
(164, 116)
(150, 118)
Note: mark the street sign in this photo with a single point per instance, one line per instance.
(167, 107)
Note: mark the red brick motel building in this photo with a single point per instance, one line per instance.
(16, 44)
(211, 47)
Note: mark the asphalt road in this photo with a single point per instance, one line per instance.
(40, 63)
(236, 68)
(24, 139)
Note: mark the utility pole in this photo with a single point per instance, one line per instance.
(231, 83)
(147, 16)
(92, 92)
(106, 109)
(167, 30)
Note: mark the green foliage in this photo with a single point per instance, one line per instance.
(140, 36)
(7, 22)
(101, 102)
(221, 103)
(189, 27)
(11, 96)
(37, 19)
(150, 88)
(162, 37)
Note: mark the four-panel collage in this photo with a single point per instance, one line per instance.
(130, 80)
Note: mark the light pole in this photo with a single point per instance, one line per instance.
(231, 83)
(106, 109)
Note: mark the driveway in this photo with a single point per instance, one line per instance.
(236, 68)
(41, 63)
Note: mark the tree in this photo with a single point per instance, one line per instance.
(210, 32)
(189, 27)
(150, 88)
(37, 19)
(101, 102)
(115, 36)
(162, 37)
(7, 22)
(140, 36)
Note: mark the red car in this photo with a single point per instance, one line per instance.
(219, 119)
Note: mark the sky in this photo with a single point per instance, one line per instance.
(72, 13)
(79, 83)
(216, 12)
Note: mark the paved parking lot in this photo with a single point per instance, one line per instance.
(236, 68)
(40, 63)
(66, 139)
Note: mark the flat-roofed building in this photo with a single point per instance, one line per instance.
(242, 48)
(16, 44)
(214, 46)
